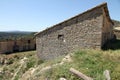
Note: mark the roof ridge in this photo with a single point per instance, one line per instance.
(102, 4)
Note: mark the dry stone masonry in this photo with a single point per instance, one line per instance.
(17, 45)
(88, 30)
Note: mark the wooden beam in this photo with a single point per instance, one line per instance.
(79, 74)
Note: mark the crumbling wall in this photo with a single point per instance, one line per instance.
(17, 45)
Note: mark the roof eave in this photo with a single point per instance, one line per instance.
(98, 6)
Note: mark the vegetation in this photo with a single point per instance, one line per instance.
(26, 65)
(15, 35)
(90, 62)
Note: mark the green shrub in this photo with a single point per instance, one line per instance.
(30, 64)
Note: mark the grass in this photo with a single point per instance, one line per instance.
(14, 63)
(90, 62)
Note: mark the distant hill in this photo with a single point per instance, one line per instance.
(15, 35)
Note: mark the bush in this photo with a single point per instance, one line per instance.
(30, 64)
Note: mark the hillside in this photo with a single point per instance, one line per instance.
(12, 35)
(26, 65)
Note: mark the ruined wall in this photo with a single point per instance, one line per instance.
(3, 47)
(9, 46)
(17, 46)
(6, 47)
(82, 31)
(28, 44)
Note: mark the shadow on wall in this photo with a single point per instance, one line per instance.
(112, 45)
(15, 48)
(18, 46)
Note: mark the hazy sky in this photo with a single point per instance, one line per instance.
(36, 15)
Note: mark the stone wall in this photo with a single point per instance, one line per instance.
(17, 46)
(107, 29)
(117, 33)
(82, 31)
(4, 47)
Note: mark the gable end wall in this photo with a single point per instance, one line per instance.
(80, 32)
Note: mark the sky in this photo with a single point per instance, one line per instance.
(37, 15)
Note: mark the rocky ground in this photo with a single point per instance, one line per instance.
(26, 66)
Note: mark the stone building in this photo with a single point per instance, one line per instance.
(17, 45)
(88, 30)
(116, 29)
(117, 33)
